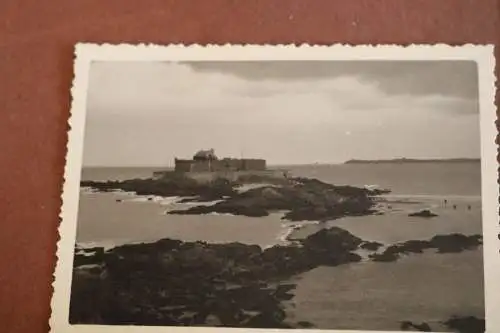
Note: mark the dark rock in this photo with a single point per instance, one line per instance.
(457, 324)
(171, 282)
(304, 199)
(466, 324)
(335, 240)
(282, 292)
(423, 213)
(304, 324)
(176, 185)
(452, 243)
(455, 242)
(384, 257)
(370, 246)
(223, 208)
(407, 325)
(261, 179)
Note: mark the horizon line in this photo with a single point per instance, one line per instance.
(299, 164)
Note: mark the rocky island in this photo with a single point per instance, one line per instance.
(302, 198)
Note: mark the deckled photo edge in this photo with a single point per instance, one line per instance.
(85, 53)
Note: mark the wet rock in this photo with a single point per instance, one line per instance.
(175, 185)
(305, 200)
(408, 325)
(384, 257)
(171, 282)
(455, 242)
(451, 243)
(371, 246)
(423, 213)
(304, 324)
(335, 240)
(466, 324)
(283, 292)
(457, 324)
(262, 179)
(223, 208)
(271, 194)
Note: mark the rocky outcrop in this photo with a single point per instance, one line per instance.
(408, 325)
(456, 324)
(466, 324)
(370, 246)
(423, 213)
(167, 187)
(452, 243)
(197, 284)
(303, 199)
(171, 282)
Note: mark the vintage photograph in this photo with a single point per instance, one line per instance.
(280, 194)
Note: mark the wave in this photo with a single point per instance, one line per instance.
(283, 237)
(107, 245)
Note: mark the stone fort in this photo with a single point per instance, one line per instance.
(207, 161)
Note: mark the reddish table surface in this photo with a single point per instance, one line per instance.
(36, 58)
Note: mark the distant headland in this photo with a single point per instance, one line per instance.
(412, 160)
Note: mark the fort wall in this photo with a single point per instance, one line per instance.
(226, 164)
(207, 177)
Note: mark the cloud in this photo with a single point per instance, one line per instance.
(130, 88)
(138, 109)
(450, 78)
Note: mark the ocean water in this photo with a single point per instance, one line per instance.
(421, 288)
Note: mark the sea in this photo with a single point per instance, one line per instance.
(368, 295)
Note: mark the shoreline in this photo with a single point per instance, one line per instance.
(290, 230)
(235, 271)
(259, 278)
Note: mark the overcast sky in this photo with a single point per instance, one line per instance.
(147, 113)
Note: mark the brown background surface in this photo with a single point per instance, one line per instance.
(36, 55)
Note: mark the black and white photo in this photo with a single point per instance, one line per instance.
(295, 188)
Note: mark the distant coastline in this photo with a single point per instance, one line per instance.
(411, 160)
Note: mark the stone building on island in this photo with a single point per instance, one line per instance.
(207, 161)
(205, 166)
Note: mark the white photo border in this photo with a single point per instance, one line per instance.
(86, 53)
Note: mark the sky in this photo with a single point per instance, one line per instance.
(287, 112)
